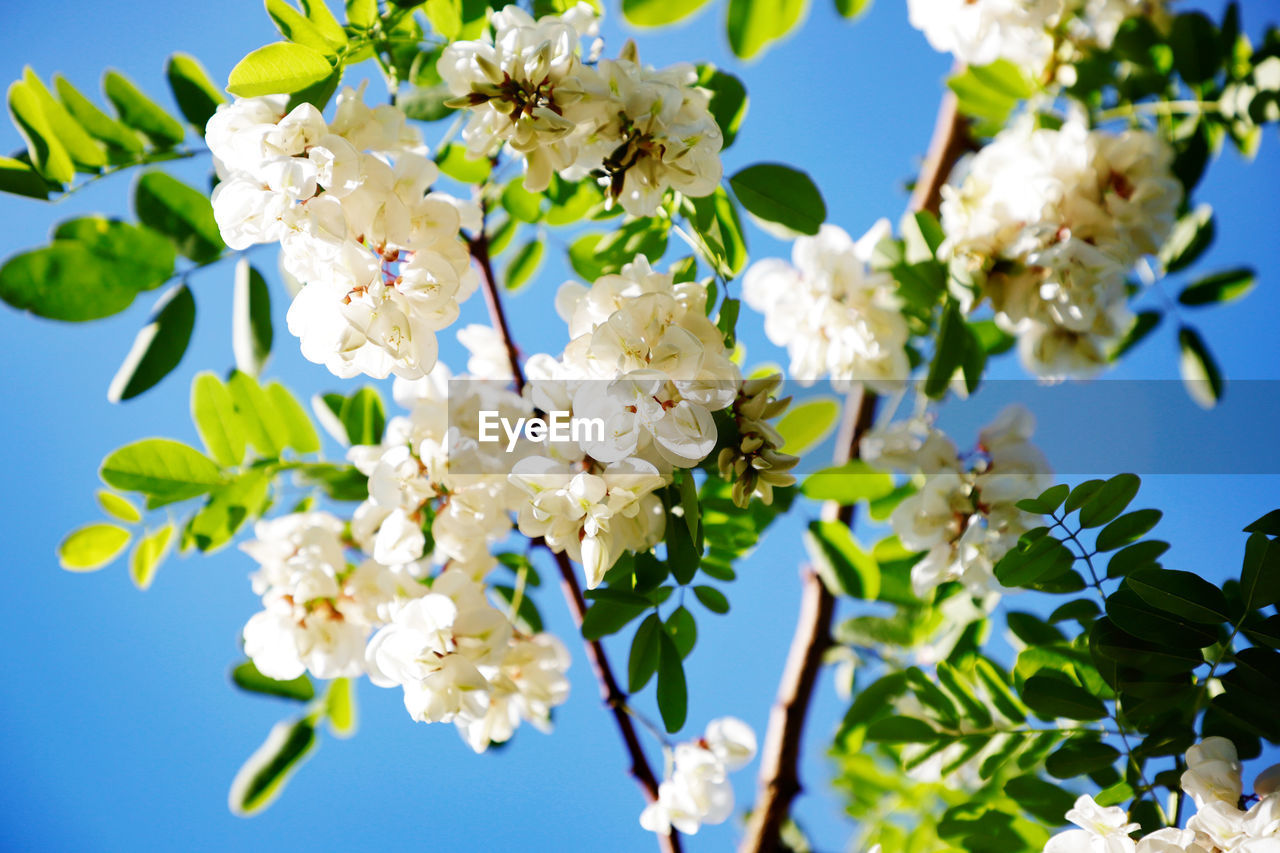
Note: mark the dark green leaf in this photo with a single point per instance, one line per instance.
(197, 96)
(1269, 524)
(523, 265)
(251, 331)
(609, 617)
(1079, 756)
(728, 98)
(841, 562)
(1052, 697)
(1127, 528)
(20, 178)
(158, 347)
(1109, 500)
(1144, 323)
(1080, 494)
(779, 194)
(712, 599)
(1220, 287)
(1199, 370)
(181, 213)
(363, 417)
(265, 774)
(643, 661)
(683, 630)
(1139, 555)
(1197, 52)
(1191, 236)
(673, 693)
(1181, 593)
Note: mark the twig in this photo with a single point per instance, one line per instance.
(779, 780)
(610, 693)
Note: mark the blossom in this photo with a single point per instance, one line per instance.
(837, 317)
(1213, 772)
(696, 789)
(1048, 222)
(964, 515)
(1102, 830)
(350, 204)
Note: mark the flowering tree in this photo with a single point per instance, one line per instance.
(642, 457)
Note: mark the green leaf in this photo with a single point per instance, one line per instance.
(118, 507)
(853, 9)
(81, 147)
(264, 428)
(214, 414)
(659, 13)
(302, 435)
(1183, 594)
(265, 774)
(950, 349)
(362, 14)
(1144, 323)
(643, 660)
(340, 704)
(901, 730)
(847, 484)
(682, 628)
(1043, 559)
(718, 232)
(807, 425)
(19, 178)
(1109, 500)
(605, 617)
(137, 257)
(227, 509)
(251, 331)
(247, 677)
(673, 693)
(295, 27)
(1139, 555)
(755, 24)
(570, 202)
(47, 153)
(1260, 572)
(455, 163)
(181, 213)
(1042, 799)
(523, 265)
(841, 562)
(160, 467)
(1268, 524)
(1197, 51)
(1081, 493)
(712, 599)
(1200, 374)
(1225, 286)
(197, 96)
(158, 347)
(279, 68)
(1048, 501)
(522, 204)
(363, 417)
(778, 194)
(148, 554)
(728, 96)
(1127, 528)
(92, 546)
(140, 112)
(1052, 697)
(99, 125)
(990, 93)
(1135, 616)
(1190, 237)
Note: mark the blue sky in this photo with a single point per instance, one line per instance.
(122, 731)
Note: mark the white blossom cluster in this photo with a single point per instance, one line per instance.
(696, 787)
(531, 88)
(318, 610)
(1033, 34)
(1212, 780)
(964, 513)
(837, 318)
(1048, 222)
(349, 202)
(644, 359)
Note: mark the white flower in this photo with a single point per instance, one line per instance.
(837, 318)
(1213, 772)
(1102, 830)
(696, 789)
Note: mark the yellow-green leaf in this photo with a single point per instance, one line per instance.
(92, 547)
(279, 68)
(148, 554)
(118, 507)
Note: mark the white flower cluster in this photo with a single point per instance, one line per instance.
(530, 88)
(838, 319)
(1213, 782)
(696, 789)
(1049, 222)
(350, 204)
(318, 609)
(1032, 34)
(459, 659)
(964, 513)
(645, 360)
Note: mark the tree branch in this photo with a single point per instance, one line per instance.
(610, 693)
(779, 780)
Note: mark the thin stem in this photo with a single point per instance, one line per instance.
(1159, 108)
(779, 780)
(610, 692)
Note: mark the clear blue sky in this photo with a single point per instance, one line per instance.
(121, 730)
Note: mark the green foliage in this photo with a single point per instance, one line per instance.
(251, 331)
(197, 95)
(179, 212)
(159, 346)
(93, 546)
(280, 68)
(778, 195)
(990, 93)
(753, 25)
(807, 425)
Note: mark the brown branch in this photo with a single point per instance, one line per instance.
(779, 780)
(610, 693)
